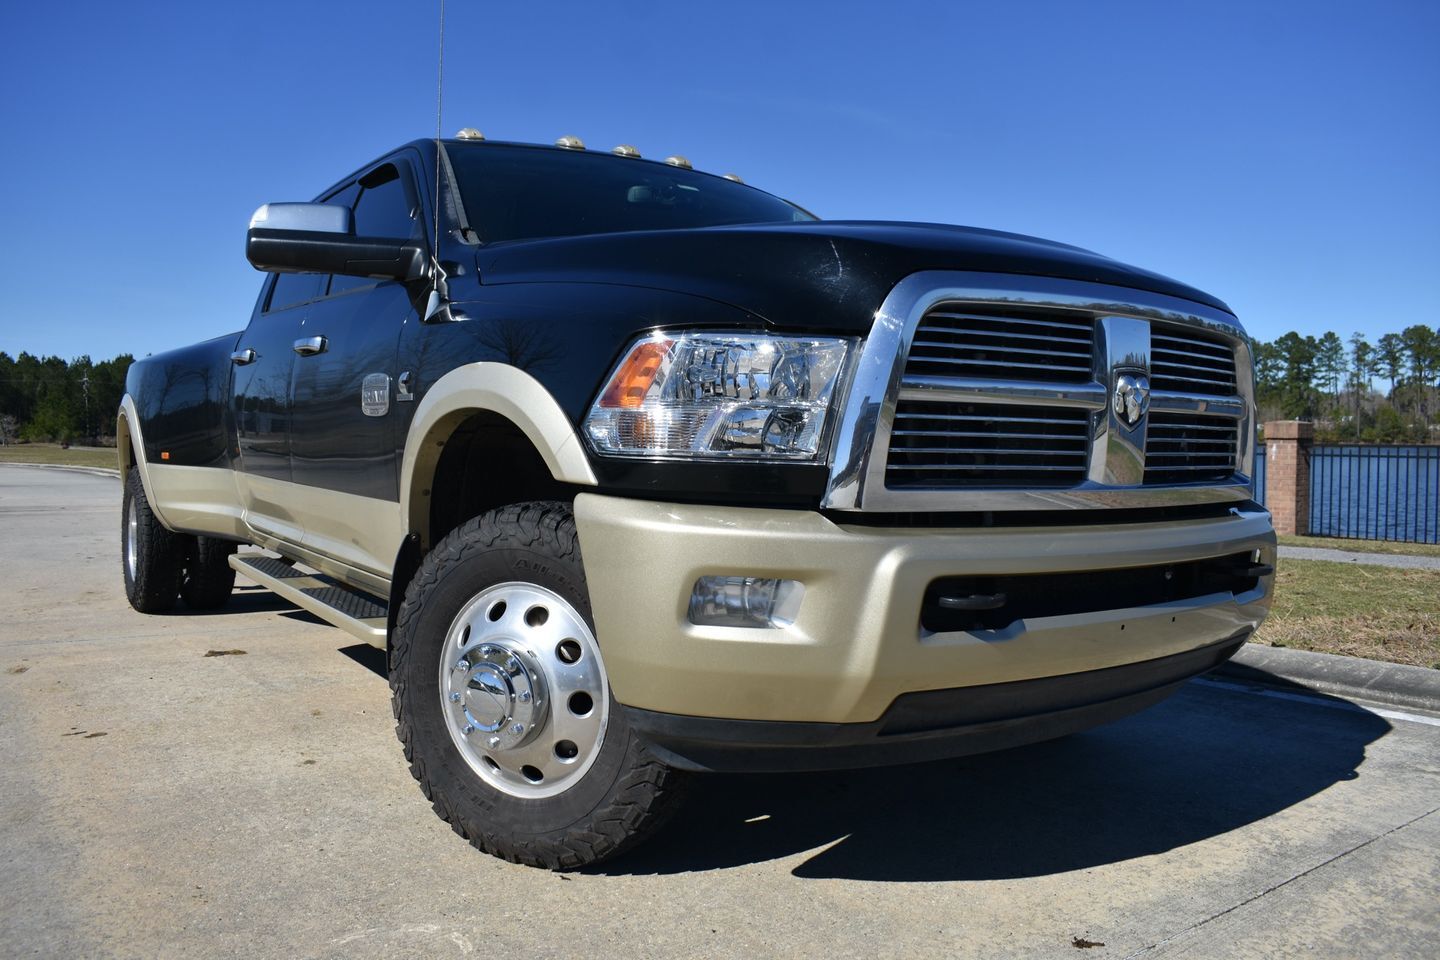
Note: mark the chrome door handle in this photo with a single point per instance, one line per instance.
(309, 346)
(242, 357)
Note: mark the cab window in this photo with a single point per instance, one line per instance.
(384, 208)
(294, 288)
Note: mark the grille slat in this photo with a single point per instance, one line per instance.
(978, 433)
(1035, 447)
(938, 330)
(946, 416)
(1191, 361)
(1028, 350)
(1074, 324)
(1179, 365)
(1050, 347)
(1002, 364)
(1018, 451)
(1192, 343)
(1189, 447)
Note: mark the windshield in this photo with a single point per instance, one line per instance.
(522, 193)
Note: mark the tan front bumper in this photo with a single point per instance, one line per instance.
(856, 644)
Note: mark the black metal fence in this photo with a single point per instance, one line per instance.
(1370, 492)
(1374, 492)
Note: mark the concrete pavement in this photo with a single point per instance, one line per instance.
(160, 802)
(1403, 560)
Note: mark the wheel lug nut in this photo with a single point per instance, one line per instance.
(463, 665)
(468, 730)
(524, 696)
(454, 698)
(493, 741)
(518, 729)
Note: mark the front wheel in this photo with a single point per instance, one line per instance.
(151, 555)
(502, 701)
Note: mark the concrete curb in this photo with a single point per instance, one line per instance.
(1391, 684)
(94, 471)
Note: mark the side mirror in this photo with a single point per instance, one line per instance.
(319, 238)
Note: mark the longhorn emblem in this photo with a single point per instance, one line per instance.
(1132, 397)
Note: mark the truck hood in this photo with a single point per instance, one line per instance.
(829, 274)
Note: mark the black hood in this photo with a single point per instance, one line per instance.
(826, 274)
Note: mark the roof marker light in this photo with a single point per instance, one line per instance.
(679, 161)
(469, 133)
(734, 176)
(570, 143)
(625, 150)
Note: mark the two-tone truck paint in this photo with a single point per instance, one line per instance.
(638, 472)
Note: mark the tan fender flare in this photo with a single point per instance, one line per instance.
(130, 446)
(498, 388)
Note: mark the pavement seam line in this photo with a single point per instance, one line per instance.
(1283, 883)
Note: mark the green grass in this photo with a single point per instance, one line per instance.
(52, 453)
(1379, 613)
(1364, 546)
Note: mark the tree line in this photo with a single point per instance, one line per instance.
(49, 399)
(1332, 382)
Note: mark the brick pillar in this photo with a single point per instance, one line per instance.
(1287, 474)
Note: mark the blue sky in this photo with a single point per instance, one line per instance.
(1285, 157)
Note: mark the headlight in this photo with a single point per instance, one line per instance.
(706, 395)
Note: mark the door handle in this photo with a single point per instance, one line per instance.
(242, 357)
(309, 346)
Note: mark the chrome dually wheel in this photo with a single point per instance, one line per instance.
(132, 534)
(503, 703)
(523, 690)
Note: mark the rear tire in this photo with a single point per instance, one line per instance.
(501, 701)
(150, 555)
(209, 579)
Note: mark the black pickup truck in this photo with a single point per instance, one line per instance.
(637, 472)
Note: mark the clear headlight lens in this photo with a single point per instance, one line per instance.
(706, 395)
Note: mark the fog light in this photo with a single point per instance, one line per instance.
(745, 602)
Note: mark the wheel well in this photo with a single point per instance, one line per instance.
(124, 445)
(486, 462)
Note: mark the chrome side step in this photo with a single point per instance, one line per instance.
(354, 612)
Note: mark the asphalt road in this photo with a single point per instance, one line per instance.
(156, 801)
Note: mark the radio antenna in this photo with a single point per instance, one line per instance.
(438, 289)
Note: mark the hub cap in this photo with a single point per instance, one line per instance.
(523, 690)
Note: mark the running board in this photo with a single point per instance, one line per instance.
(352, 611)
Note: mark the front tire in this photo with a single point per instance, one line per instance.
(502, 703)
(150, 554)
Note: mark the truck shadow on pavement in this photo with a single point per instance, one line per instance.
(1209, 760)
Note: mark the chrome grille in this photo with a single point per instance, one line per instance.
(1189, 448)
(980, 444)
(982, 392)
(1003, 344)
(1188, 361)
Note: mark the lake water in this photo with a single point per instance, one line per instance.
(1375, 493)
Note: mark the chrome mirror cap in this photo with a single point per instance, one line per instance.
(309, 217)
